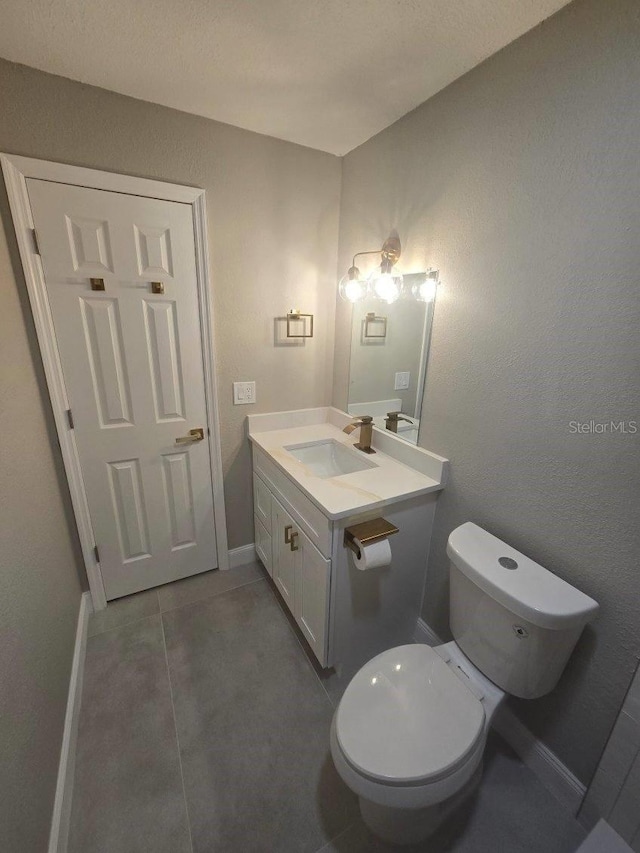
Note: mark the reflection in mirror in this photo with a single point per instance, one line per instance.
(389, 350)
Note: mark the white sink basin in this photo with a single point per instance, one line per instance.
(329, 458)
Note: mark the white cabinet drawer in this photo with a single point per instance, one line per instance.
(262, 502)
(303, 511)
(263, 545)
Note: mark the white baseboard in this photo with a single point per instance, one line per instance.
(423, 633)
(59, 833)
(554, 775)
(242, 556)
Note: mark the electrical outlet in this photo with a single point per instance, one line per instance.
(244, 393)
(402, 380)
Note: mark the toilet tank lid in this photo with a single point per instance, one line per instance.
(518, 583)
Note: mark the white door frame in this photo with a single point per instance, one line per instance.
(16, 170)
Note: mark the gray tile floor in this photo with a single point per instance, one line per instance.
(204, 729)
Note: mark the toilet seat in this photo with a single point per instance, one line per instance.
(407, 720)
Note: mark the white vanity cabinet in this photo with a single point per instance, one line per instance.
(346, 615)
(301, 573)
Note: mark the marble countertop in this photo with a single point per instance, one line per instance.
(391, 480)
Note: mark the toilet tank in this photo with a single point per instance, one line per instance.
(515, 620)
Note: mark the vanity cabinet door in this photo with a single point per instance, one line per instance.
(302, 577)
(262, 502)
(284, 559)
(312, 594)
(263, 544)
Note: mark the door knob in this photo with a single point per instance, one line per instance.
(194, 435)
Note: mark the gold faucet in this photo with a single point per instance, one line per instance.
(365, 422)
(391, 421)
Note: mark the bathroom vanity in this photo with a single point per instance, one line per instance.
(309, 485)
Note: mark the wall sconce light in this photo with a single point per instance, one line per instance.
(351, 287)
(384, 282)
(425, 291)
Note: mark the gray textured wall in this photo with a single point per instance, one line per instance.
(39, 586)
(520, 182)
(273, 219)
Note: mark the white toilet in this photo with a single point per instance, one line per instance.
(409, 733)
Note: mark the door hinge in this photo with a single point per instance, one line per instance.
(96, 553)
(36, 245)
(70, 418)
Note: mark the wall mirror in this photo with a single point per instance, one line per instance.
(388, 364)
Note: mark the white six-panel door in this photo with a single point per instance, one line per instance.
(133, 370)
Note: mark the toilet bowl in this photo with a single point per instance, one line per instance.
(410, 730)
(408, 737)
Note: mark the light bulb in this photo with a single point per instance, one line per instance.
(351, 287)
(426, 290)
(386, 285)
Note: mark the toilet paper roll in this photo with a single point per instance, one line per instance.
(372, 556)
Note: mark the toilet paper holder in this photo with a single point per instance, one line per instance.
(368, 532)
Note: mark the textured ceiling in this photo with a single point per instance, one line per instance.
(324, 73)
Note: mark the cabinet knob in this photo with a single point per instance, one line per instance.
(287, 537)
(292, 543)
